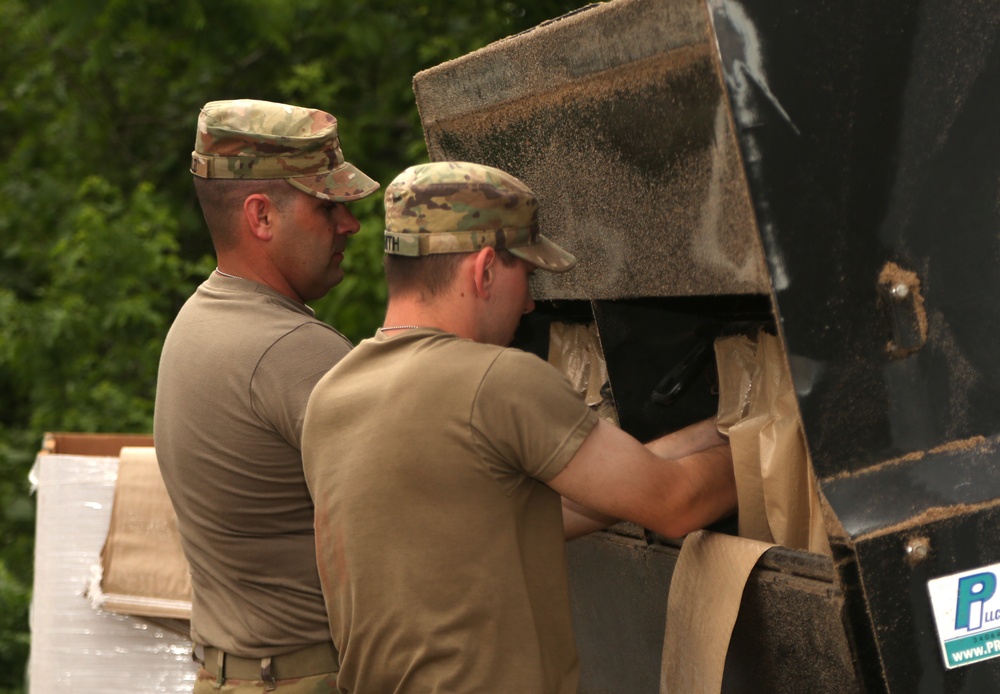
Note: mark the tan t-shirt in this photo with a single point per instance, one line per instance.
(440, 548)
(235, 374)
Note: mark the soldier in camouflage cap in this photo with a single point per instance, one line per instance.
(251, 139)
(448, 468)
(236, 370)
(458, 207)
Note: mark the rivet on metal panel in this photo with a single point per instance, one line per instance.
(917, 549)
(899, 291)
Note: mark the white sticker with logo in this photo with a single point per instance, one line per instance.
(967, 611)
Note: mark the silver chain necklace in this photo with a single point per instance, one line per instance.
(400, 327)
(226, 274)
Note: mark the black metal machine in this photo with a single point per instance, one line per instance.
(827, 170)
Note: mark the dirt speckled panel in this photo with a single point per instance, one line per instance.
(630, 148)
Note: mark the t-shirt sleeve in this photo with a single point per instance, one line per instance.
(287, 373)
(527, 416)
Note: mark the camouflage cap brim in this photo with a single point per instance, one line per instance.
(546, 255)
(344, 184)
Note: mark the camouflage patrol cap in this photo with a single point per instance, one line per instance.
(250, 139)
(458, 207)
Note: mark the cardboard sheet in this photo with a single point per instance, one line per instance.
(143, 569)
(72, 443)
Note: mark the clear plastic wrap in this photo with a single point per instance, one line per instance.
(74, 646)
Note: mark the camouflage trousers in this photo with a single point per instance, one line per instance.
(207, 683)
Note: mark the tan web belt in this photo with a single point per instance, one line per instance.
(319, 659)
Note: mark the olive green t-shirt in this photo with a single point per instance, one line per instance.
(235, 374)
(440, 547)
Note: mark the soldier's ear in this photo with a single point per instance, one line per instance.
(485, 271)
(258, 213)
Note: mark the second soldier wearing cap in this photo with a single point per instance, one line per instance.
(448, 468)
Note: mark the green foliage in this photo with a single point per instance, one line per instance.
(16, 556)
(113, 268)
(12, 633)
(103, 239)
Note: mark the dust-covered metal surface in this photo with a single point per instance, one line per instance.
(896, 566)
(616, 118)
(868, 131)
(619, 588)
(871, 148)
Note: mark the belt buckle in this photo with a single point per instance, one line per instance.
(266, 674)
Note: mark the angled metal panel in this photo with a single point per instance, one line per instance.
(869, 137)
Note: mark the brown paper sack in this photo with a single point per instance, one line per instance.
(143, 569)
(778, 504)
(575, 349)
(758, 410)
(714, 568)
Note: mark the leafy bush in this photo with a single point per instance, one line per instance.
(103, 240)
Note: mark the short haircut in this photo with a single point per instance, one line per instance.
(429, 275)
(222, 199)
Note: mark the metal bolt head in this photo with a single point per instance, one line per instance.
(900, 291)
(917, 549)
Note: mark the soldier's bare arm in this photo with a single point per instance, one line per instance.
(614, 476)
